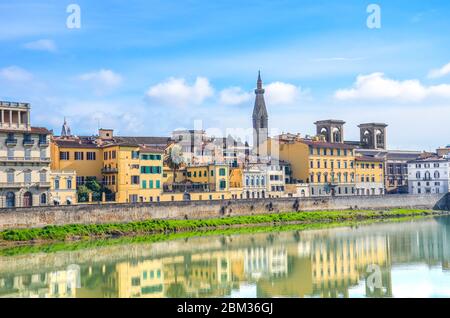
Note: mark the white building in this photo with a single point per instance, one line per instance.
(430, 175)
(275, 180)
(254, 183)
(24, 158)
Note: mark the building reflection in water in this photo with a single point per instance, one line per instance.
(323, 263)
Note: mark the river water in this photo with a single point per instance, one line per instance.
(399, 259)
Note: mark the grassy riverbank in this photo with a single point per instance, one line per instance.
(152, 227)
(23, 248)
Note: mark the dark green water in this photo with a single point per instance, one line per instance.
(407, 259)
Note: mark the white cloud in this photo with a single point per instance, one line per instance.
(41, 45)
(377, 86)
(279, 93)
(440, 72)
(234, 96)
(176, 92)
(15, 74)
(102, 81)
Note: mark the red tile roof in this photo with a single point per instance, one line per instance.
(323, 144)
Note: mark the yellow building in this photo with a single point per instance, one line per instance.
(82, 155)
(236, 183)
(327, 167)
(63, 190)
(197, 183)
(369, 175)
(133, 173)
(142, 280)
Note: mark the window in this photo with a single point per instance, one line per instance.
(79, 155)
(135, 155)
(144, 184)
(158, 184)
(418, 175)
(27, 177)
(113, 154)
(222, 172)
(150, 184)
(223, 184)
(43, 176)
(80, 181)
(43, 154)
(27, 154)
(43, 198)
(69, 183)
(134, 179)
(27, 138)
(10, 154)
(56, 184)
(10, 176)
(91, 156)
(64, 155)
(10, 137)
(437, 175)
(42, 139)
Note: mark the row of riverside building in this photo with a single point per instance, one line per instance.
(39, 168)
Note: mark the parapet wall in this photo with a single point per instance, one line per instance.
(121, 213)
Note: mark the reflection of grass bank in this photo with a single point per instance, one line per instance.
(155, 238)
(100, 231)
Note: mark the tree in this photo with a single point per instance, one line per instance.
(83, 193)
(174, 159)
(92, 186)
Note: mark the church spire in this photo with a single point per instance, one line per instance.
(259, 82)
(260, 109)
(65, 131)
(260, 119)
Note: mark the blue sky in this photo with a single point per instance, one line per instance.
(148, 67)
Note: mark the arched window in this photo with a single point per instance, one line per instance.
(247, 181)
(427, 175)
(43, 198)
(263, 181)
(437, 175)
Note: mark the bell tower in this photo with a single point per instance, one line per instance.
(373, 135)
(332, 130)
(260, 120)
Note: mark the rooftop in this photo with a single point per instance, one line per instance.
(324, 144)
(14, 104)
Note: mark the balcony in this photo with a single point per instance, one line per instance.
(110, 170)
(19, 185)
(11, 142)
(43, 143)
(28, 142)
(24, 159)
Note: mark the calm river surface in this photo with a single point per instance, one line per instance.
(407, 259)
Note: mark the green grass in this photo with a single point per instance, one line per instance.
(80, 232)
(155, 238)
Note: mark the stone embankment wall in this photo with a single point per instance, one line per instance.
(121, 213)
